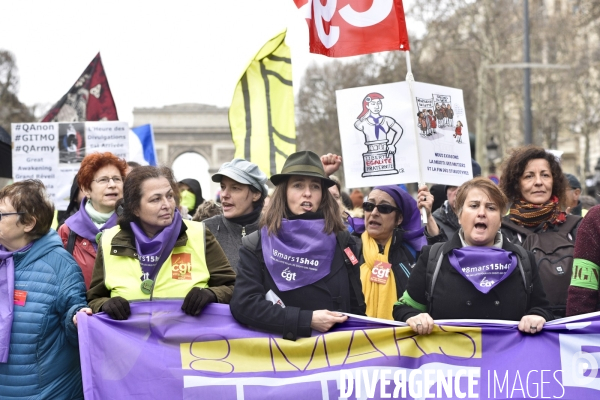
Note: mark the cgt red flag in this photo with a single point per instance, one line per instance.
(341, 28)
(89, 99)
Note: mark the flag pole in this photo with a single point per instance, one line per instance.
(411, 79)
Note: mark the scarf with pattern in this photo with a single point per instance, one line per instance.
(537, 215)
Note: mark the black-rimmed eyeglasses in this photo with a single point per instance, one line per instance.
(11, 213)
(382, 208)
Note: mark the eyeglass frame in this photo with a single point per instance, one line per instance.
(376, 206)
(109, 178)
(10, 213)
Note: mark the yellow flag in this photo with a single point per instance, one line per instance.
(261, 116)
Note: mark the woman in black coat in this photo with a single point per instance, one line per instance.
(293, 275)
(481, 275)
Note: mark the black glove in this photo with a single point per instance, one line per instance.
(117, 308)
(196, 300)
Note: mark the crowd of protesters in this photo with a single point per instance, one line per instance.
(132, 233)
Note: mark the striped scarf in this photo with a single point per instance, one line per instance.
(533, 215)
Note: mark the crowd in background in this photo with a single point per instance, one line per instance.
(526, 249)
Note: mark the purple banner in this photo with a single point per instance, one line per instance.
(161, 353)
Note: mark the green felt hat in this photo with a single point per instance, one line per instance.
(303, 163)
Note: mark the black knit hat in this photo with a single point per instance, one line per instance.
(303, 163)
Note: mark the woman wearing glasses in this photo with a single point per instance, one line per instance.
(391, 243)
(101, 180)
(292, 275)
(41, 290)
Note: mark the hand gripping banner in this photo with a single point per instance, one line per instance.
(161, 353)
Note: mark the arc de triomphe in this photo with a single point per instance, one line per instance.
(185, 128)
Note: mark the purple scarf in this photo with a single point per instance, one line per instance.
(82, 224)
(299, 255)
(414, 233)
(356, 224)
(7, 289)
(152, 253)
(484, 267)
(378, 126)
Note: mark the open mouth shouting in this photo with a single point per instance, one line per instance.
(480, 226)
(307, 206)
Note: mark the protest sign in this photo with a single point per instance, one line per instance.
(35, 154)
(159, 352)
(52, 152)
(379, 127)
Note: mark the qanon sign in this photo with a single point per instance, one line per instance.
(341, 28)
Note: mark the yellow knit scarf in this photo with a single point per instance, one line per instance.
(380, 299)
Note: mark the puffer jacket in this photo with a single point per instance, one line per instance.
(43, 362)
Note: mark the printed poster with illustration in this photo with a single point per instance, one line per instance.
(52, 151)
(390, 137)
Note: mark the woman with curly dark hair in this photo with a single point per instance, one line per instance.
(533, 181)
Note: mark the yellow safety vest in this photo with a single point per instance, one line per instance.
(184, 269)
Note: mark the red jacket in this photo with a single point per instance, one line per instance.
(83, 252)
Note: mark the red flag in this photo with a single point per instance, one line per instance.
(351, 27)
(88, 100)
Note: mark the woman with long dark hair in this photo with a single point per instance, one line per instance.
(299, 272)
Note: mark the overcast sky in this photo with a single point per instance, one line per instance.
(154, 53)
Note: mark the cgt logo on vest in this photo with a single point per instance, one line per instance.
(181, 266)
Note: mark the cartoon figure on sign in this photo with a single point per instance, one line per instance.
(439, 115)
(458, 132)
(422, 123)
(432, 121)
(449, 114)
(377, 128)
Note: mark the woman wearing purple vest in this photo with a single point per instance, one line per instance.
(300, 271)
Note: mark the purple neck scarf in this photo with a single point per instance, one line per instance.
(299, 255)
(414, 233)
(378, 126)
(152, 253)
(357, 224)
(484, 267)
(82, 224)
(7, 290)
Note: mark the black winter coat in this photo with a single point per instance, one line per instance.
(455, 297)
(334, 293)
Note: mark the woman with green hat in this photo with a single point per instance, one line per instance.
(299, 272)
(243, 193)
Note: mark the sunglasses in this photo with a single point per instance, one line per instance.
(382, 208)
